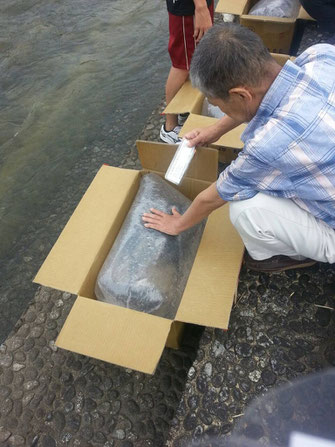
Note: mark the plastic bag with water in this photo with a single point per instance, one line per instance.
(146, 270)
(276, 8)
(209, 110)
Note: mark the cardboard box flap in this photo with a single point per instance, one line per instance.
(212, 284)
(303, 14)
(281, 59)
(114, 334)
(187, 99)
(89, 230)
(235, 7)
(157, 157)
(231, 139)
(267, 19)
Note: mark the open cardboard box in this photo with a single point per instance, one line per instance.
(190, 100)
(276, 33)
(123, 336)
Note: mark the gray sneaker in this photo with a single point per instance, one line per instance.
(171, 136)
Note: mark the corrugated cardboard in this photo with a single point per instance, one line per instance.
(276, 33)
(123, 336)
(231, 139)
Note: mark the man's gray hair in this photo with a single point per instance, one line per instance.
(228, 56)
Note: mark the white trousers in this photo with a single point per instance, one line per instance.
(271, 226)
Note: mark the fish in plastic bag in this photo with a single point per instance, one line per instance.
(146, 270)
(276, 8)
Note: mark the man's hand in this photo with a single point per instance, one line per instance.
(211, 134)
(166, 223)
(203, 136)
(202, 22)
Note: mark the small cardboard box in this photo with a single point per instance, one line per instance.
(123, 336)
(190, 100)
(276, 33)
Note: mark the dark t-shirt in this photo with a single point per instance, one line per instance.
(182, 7)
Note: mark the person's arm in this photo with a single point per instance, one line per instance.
(210, 134)
(202, 19)
(175, 223)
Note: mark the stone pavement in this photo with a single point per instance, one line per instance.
(281, 328)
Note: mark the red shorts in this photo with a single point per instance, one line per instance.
(182, 42)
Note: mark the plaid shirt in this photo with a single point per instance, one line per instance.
(290, 143)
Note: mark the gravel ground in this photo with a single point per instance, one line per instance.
(281, 328)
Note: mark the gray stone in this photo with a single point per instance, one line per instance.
(48, 441)
(6, 359)
(73, 422)
(27, 399)
(268, 377)
(87, 433)
(94, 392)
(37, 331)
(69, 393)
(31, 385)
(6, 406)
(116, 406)
(14, 343)
(4, 434)
(16, 440)
(18, 366)
(119, 434)
(31, 373)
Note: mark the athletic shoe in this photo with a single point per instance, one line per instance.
(276, 263)
(182, 117)
(171, 136)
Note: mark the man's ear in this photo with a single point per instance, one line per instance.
(241, 93)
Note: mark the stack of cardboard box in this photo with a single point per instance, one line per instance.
(276, 33)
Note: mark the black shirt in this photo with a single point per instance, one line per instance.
(182, 7)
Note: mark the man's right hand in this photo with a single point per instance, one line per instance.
(210, 134)
(204, 135)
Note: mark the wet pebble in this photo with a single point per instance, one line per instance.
(323, 316)
(268, 377)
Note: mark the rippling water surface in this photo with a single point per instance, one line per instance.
(76, 76)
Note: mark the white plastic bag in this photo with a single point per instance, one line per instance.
(276, 8)
(209, 110)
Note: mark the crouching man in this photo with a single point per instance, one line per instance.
(281, 187)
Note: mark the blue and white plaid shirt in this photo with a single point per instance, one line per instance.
(290, 143)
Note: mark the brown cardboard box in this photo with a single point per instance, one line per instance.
(189, 99)
(276, 33)
(123, 336)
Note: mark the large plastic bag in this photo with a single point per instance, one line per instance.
(147, 270)
(209, 110)
(276, 8)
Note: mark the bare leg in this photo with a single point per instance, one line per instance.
(175, 80)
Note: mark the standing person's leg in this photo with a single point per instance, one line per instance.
(181, 48)
(175, 80)
(271, 226)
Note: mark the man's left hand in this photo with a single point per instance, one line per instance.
(166, 223)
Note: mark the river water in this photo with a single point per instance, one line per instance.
(78, 81)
